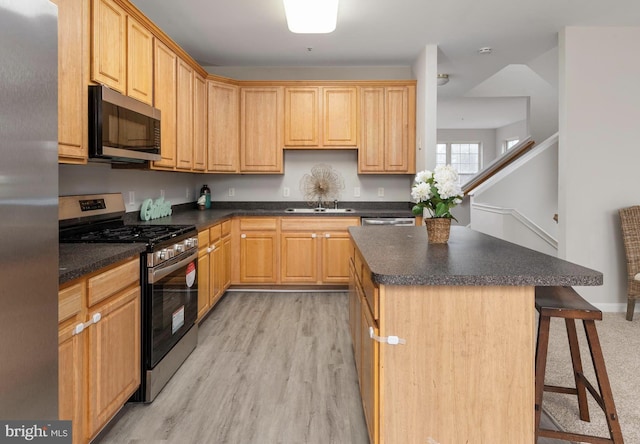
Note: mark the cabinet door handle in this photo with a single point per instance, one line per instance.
(314, 235)
(209, 250)
(243, 236)
(154, 275)
(327, 234)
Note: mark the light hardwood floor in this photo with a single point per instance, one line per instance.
(269, 368)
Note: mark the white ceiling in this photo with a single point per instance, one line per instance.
(384, 32)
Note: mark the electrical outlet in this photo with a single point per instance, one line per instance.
(132, 197)
(356, 191)
(162, 194)
(187, 193)
(286, 192)
(380, 192)
(232, 192)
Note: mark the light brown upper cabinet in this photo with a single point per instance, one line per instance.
(122, 51)
(223, 127)
(165, 78)
(139, 62)
(261, 129)
(199, 122)
(387, 139)
(109, 49)
(184, 117)
(321, 117)
(73, 50)
(339, 116)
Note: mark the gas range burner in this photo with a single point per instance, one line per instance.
(129, 233)
(99, 218)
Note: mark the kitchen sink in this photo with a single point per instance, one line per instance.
(319, 210)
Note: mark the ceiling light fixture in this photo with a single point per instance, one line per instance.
(443, 79)
(311, 16)
(485, 50)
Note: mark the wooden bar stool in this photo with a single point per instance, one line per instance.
(565, 302)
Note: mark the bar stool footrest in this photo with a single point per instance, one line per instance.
(558, 389)
(575, 437)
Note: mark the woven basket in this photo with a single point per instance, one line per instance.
(438, 229)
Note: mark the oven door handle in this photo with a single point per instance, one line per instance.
(156, 274)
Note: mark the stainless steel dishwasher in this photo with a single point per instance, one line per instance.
(390, 221)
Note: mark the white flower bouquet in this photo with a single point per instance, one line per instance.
(437, 191)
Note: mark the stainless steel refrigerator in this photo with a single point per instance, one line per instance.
(28, 210)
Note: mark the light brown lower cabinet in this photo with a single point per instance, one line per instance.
(256, 250)
(214, 265)
(220, 266)
(369, 370)
(113, 372)
(99, 346)
(71, 312)
(315, 250)
(366, 352)
(299, 257)
(204, 280)
(291, 250)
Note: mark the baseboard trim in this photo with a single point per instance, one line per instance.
(289, 288)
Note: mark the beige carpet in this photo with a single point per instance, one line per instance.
(620, 340)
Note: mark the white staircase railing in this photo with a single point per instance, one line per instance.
(521, 219)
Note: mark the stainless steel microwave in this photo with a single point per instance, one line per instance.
(122, 129)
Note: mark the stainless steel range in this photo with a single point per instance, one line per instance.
(168, 279)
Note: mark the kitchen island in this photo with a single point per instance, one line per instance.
(463, 317)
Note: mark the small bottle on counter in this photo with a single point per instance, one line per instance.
(206, 192)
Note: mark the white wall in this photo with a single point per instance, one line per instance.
(529, 186)
(509, 224)
(517, 130)
(598, 154)
(298, 163)
(487, 137)
(100, 178)
(425, 70)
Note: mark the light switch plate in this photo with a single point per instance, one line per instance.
(356, 191)
(380, 192)
(286, 192)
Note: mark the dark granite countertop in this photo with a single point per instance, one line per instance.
(76, 260)
(188, 214)
(402, 256)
